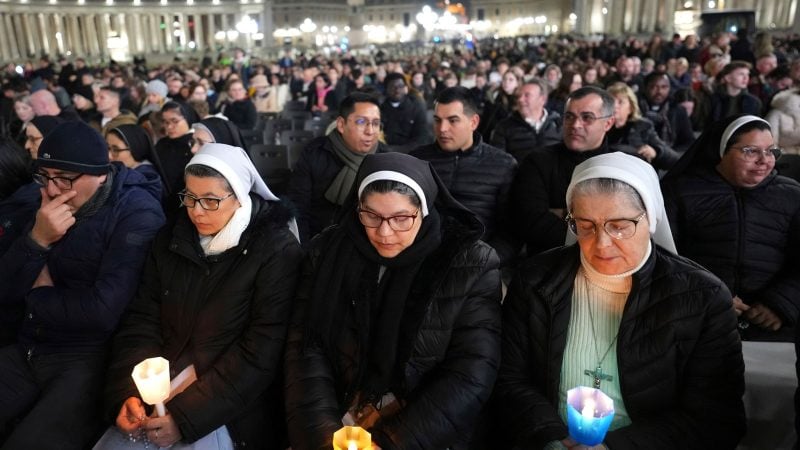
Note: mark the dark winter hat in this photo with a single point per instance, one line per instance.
(75, 147)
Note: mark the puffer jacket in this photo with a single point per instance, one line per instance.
(227, 314)
(311, 176)
(479, 178)
(748, 237)
(784, 118)
(95, 269)
(678, 351)
(519, 138)
(635, 134)
(452, 365)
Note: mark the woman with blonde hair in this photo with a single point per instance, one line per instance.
(631, 129)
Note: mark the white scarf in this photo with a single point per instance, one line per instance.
(234, 164)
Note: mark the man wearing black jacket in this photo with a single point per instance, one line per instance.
(671, 122)
(531, 126)
(405, 123)
(478, 175)
(538, 195)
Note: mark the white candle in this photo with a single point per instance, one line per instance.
(152, 379)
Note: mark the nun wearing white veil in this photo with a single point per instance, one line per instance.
(214, 301)
(620, 311)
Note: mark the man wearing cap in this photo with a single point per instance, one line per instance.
(73, 275)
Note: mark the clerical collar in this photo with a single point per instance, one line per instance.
(395, 104)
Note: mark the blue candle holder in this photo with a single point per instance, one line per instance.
(589, 414)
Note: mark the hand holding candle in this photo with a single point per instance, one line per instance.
(589, 414)
(152, 379)
(352, 438)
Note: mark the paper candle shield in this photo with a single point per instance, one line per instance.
(589, 414)
(152, 379)
(352, 438)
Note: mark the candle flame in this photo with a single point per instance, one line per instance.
(588, 408)
(352, 445)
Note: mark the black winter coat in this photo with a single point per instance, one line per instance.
(678, 351)
(451, 370)
(241, 113)
(227, 314)
(479, 178)
(541, 185)
(406, 125)
(519, 138)
(672, 124)
(637, 133)
(723, 105)
(312, 175)
(748, 237)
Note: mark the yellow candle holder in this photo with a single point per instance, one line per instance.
(352, 438)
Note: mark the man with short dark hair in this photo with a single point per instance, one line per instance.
(530, 126)
(405, 123)
(731, 97)
(671, 122)
(477, 174)
(72, 275)
(107, 102)
(540, 187)
(324, 174)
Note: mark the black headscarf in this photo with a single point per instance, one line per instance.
(188, 113)
(704, 153)
(385, 315)
(137, 141)
(224, 131)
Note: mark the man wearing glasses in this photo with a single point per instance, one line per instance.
(324, 174)
(69, 279)
(539, 189)
(477, 174)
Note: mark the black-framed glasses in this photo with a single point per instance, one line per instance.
(750, 153)
(63, 183)
(208, 203)
(616, 228)
(402, 222)
(117, 150)
(586, 118)
(363, 122)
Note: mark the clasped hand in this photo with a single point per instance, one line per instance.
(161, 431)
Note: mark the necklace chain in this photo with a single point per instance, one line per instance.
(597, 374)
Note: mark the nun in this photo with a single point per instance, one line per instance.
(619, 311)
(215, 302)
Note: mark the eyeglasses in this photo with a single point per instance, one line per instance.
(397, 223)
(363, 122)
(117, 150)
(586, 118)
(63, 183)
(616, 228)
(208, 203)
(198, 142)
(753, 153)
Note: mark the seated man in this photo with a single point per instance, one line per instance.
(530, 126)
(324, 174)
(477, 174)
(404, 118)
(671, 121)
(73, 274)
(538, 194)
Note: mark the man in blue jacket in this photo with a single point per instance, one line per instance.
(72, 274)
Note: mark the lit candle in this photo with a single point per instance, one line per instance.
(589, 414)
(152, 380)
(352, 438)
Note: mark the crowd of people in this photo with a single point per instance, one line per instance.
(468, 235)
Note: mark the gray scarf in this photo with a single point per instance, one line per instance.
(340, 187)
(96, 201)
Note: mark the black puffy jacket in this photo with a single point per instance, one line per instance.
(479, 178)
(748, 237)
(227, 314)
(519, 138)
(311, 176)
(678, 351)
(451, 370)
